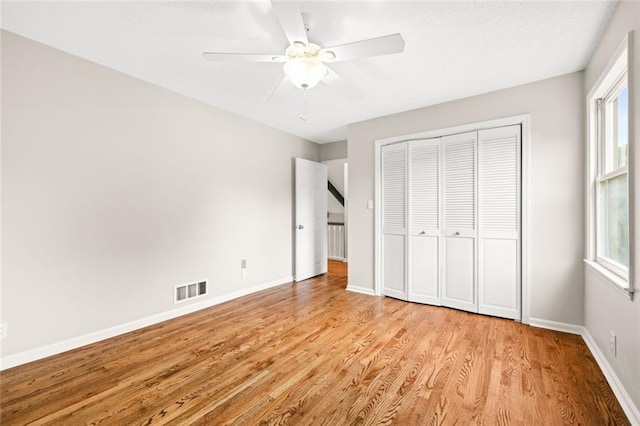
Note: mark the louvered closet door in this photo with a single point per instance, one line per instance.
(394, 220)
(499, 222)
(459, 214)
(424, 220)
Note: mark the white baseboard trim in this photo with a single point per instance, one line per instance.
(363, 290)
(557, 326)
(76, 342)
(620, 392)
(617, 387)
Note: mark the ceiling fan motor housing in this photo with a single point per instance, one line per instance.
(307, 21)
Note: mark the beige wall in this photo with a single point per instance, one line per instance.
(556, 183)
(115, 190)
(606, 309)
(333, 151)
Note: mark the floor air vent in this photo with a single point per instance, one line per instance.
(189, 291)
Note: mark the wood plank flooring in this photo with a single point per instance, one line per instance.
(312, 353)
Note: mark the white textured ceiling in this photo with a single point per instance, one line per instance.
(453, 50)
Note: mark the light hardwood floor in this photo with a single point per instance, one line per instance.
(313, 353)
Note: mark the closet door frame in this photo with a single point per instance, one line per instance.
(522, 120)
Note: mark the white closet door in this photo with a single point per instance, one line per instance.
(459, 214)
(394, 220)
(499, 222)
(424, 220)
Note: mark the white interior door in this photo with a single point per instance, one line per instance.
(424, 221)
(499, 222)
(394, 220)
(311, 219)
(459, 214)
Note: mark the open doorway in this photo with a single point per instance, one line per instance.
(337, 205)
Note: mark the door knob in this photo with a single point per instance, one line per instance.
(422, 232)
(457, 233)
(300, 226)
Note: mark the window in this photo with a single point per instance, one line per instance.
(608, 191)
(612, 236)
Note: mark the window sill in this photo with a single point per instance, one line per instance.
(614, 280)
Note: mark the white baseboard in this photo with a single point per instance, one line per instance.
(362, 290)
(557, 326)
(618, 389)
(76, 342)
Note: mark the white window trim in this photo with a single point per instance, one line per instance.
(609, 81)
(619, 283)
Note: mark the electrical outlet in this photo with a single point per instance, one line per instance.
(243, 264)
(243, 274)
(3, 330)
(613, 343)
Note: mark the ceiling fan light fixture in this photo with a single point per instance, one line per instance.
(305, 72)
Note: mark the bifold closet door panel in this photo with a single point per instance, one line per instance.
(499, 278)
(394, 220)
(459, 214)
(425, 271)
(394, 266)
(424, 221)
(499, 188)
(459, 272)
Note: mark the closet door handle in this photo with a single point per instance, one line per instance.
(422, 233)
(457, 233)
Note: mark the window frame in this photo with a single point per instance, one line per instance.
(609, 85)
(614, 91)
(603, 115)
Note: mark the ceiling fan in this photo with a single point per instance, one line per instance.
(304, 62)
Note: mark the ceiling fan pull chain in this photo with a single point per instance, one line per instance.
(303, 116)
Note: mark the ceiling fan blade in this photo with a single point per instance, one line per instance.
(280, 92)
(288, 13)
(242, 57)
(341, 86)
(385, 45)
